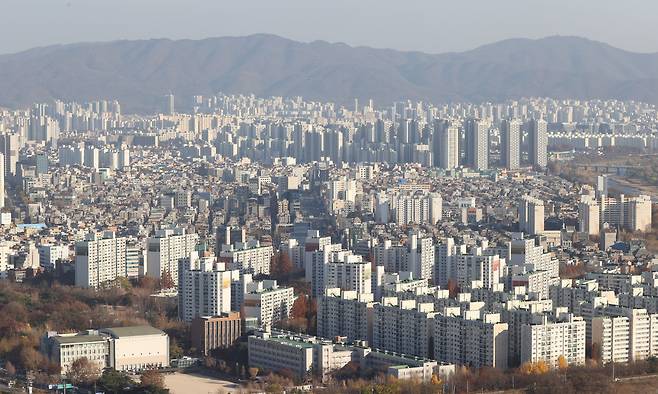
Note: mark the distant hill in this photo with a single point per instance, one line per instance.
(138, 73)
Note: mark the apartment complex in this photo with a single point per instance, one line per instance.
(99, 259)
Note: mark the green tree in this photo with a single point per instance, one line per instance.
(113, 381)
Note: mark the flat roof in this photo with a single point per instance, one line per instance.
(78, 339)
(289, 342)
(132, 331)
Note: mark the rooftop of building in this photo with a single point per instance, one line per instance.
(133, 331)
(78, 338)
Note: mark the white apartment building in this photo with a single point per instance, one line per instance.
(630, 213)
(403, 326)
(345, 314)
(4, 259)
(249, 257)
(317, 255)
(510, 144)
(135, 259)
(589, 217)
(536, 283)
(611, 334)
(538, 143)
(473, 339)
(524, 252)
(620, 283)
(402, 282)
(239, 287)
(267, 302)
(637, 331)
(568, 293)
(419, 208)
(444, 261)
(99, 259)
(517, 313)
(164, 250)
(204, 287)
(417, 256)
(348, 272)
(544, 340)
(476, 267)
(531, 215)
(49, 254)
(477, 144)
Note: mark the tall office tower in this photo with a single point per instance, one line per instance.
(602, 186)
(510, 144)
(477, 144)
(531, 215)
(99, 259)
(589, 217)
(169, 104)
(166, 248)
(538, 143)
(405, 135)
(2, 181)
(9, 147)
(446, 145)
(204, 287)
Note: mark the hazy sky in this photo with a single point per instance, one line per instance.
(429, 25)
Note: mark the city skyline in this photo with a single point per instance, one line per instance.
(257, 213)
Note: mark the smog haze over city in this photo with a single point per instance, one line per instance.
(337, 197)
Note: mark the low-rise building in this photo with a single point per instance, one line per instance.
(64, 349)
(137, 348)
(212, 332)
(303, 355)
(122, 348)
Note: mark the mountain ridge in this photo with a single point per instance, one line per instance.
(139, 72)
